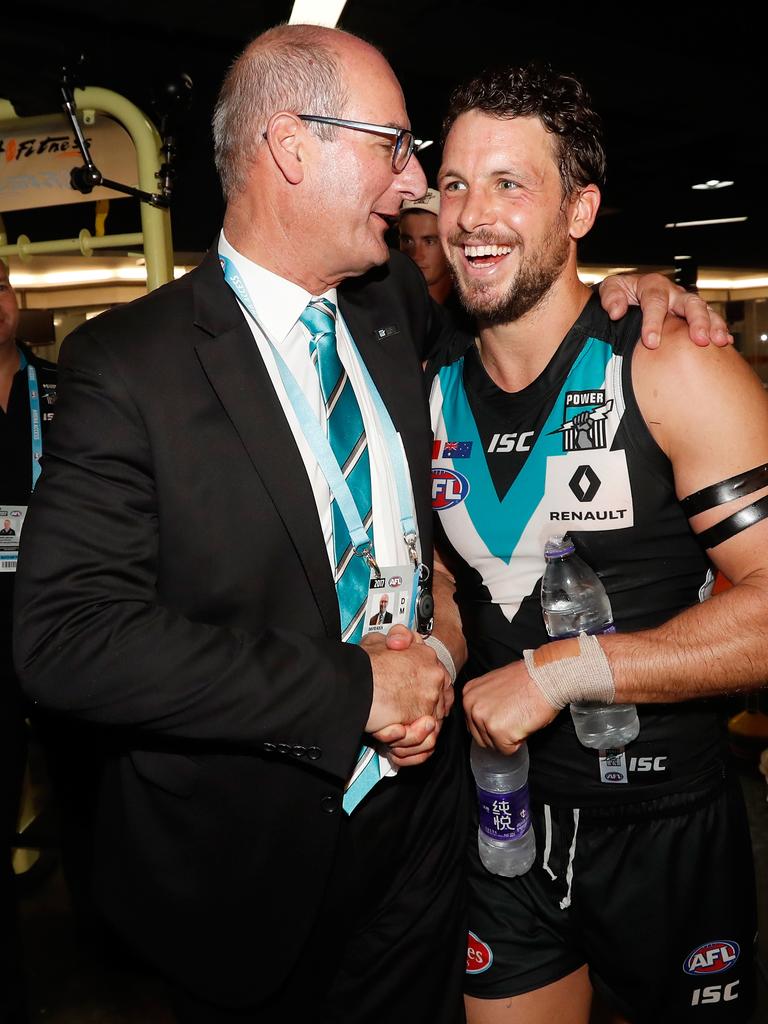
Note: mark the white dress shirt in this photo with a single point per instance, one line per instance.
(279, 304)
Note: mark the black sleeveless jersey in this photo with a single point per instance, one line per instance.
(570, 453)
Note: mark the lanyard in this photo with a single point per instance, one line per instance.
(34, 416)
(321, 449)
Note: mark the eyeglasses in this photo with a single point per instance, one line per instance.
(402, 147)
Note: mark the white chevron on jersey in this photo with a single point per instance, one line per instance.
(511, 562)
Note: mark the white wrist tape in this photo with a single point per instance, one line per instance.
(444, 656)
(585, 677)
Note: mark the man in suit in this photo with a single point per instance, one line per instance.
(382, 616)
(223, 853)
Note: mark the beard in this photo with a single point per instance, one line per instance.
(534, 278)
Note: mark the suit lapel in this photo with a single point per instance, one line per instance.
(236, 372)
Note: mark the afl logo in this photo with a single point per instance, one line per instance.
(712, 958)
(479, 955)
(395, 581)
(614, 777)
(449, 488)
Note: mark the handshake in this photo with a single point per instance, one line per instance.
(412, 694)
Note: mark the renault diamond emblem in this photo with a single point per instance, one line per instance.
(584, 483)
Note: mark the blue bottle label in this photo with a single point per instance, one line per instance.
(504, 815)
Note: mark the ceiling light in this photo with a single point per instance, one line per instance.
(595, 277)
(713, 183)
(421, 144)
(683, 257)
(84, 276)
(703, 223)
(732, 282)
(764, 337)
(316, 12)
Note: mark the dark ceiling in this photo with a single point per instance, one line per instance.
(683, 101)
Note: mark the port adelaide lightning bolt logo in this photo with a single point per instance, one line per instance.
(583, 428)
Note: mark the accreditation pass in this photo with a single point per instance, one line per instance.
(11, 522)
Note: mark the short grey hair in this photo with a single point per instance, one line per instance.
(290, 67)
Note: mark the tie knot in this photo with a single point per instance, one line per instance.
(319, 317)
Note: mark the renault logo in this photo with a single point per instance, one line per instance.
(584, 483)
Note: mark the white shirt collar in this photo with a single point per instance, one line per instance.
(278, 302)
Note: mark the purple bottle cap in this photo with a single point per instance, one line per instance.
(557, 546)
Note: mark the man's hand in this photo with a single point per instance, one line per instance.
(504, 707)
(409, 682)
(413, 743)
(657, 295)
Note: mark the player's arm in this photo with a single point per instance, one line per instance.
(709, 413)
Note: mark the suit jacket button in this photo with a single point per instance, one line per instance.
(313, 753)
(329, 804)
(283, 748)
(298, 751)
(268, 748)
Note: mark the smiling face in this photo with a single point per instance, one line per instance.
(354, 193)
(504, 223)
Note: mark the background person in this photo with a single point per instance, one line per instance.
(19, 468)
(419, 239)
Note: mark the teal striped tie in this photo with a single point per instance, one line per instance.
(346, 436)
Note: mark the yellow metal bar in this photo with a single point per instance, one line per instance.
(155, 223)
(84, 243)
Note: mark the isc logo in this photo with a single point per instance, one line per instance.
(511, 442)
(647, 764)
(714, 994)
(448, 488)
(712, 958)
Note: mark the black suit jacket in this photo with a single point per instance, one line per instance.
(175, 590)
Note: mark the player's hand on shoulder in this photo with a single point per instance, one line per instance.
(657, 296)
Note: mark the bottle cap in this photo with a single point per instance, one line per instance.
(558, 545)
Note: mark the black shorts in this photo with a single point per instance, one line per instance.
(657, 898)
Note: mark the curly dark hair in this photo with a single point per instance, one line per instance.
(561, 103)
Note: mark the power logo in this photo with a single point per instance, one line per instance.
(449, 488)
(479, 955)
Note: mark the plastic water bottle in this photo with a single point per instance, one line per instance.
(573, 601)
(505, 839)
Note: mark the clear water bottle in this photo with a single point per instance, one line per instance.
(573, 601)
(505, 839)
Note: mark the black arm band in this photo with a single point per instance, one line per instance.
(726, 490)
(747, 516)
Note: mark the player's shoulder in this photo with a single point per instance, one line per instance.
(678, 366)
(684, 390)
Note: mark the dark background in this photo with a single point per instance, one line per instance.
(684, 99)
